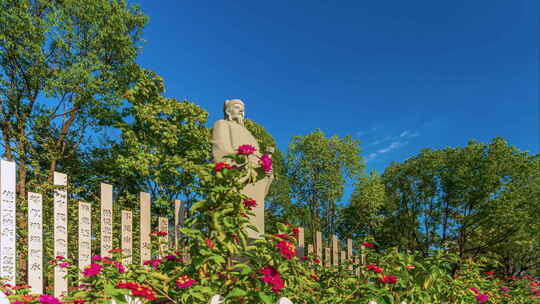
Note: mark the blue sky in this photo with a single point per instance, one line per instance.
(398, 75)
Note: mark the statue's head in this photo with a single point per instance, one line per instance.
(234, 110)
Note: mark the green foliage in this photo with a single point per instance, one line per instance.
(318, 168)
(362, 217)
(63, 68)
(474, 200)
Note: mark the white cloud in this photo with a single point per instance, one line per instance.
(371, 157)
(392, 146)
(408, 134)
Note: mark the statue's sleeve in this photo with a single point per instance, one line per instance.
(221, 140)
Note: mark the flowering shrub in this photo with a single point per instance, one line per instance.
(217, 258)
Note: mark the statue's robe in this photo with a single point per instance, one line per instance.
(227, 136)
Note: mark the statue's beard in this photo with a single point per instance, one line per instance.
(239, 119)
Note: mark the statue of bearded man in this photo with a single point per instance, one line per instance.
(230, 133)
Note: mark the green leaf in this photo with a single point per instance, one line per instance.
(265, 298)
(236, 292)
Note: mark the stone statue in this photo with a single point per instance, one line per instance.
(230, 133)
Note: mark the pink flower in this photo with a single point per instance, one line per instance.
(482, 298)
(368, 244)
(47, 299)
(92, 270)
(184, 282)
(246, 149)
(120, 267)
(474, 290)
(266, 163)
(64, 264)
(287, 249)
(155, 263)
(170, 257)
(96, 258)
(505, 289)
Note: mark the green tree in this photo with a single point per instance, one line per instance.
(63, 68)
(363, 216)
(475, 200)
(318, 168)
(163, 146)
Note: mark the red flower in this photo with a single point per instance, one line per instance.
(368, 244)
(209, 243)
(317, 261)
(250, 203)
(315, 277)
(296, 232)
(138, 290)
(246, 149)
(272, 277)
(16, 287)
(389, 279)
(287, 249)
(184, 282)
(221, 165)
(410, 267)
(506, 295)
(116, 250)
(158, 233)
(375, 268)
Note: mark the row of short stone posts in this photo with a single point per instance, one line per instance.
(333, 255)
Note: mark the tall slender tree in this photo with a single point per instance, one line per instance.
(319, 168)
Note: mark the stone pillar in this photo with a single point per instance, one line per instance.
(35, 242)
(179, 213)
(85, 235)
(60, 232)
(145, 227)
(335, 253)
(127, 236)
(7, 224)
(301, 250)
(106, 219)
(163, 225)
(319, 245)
(327, 257)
